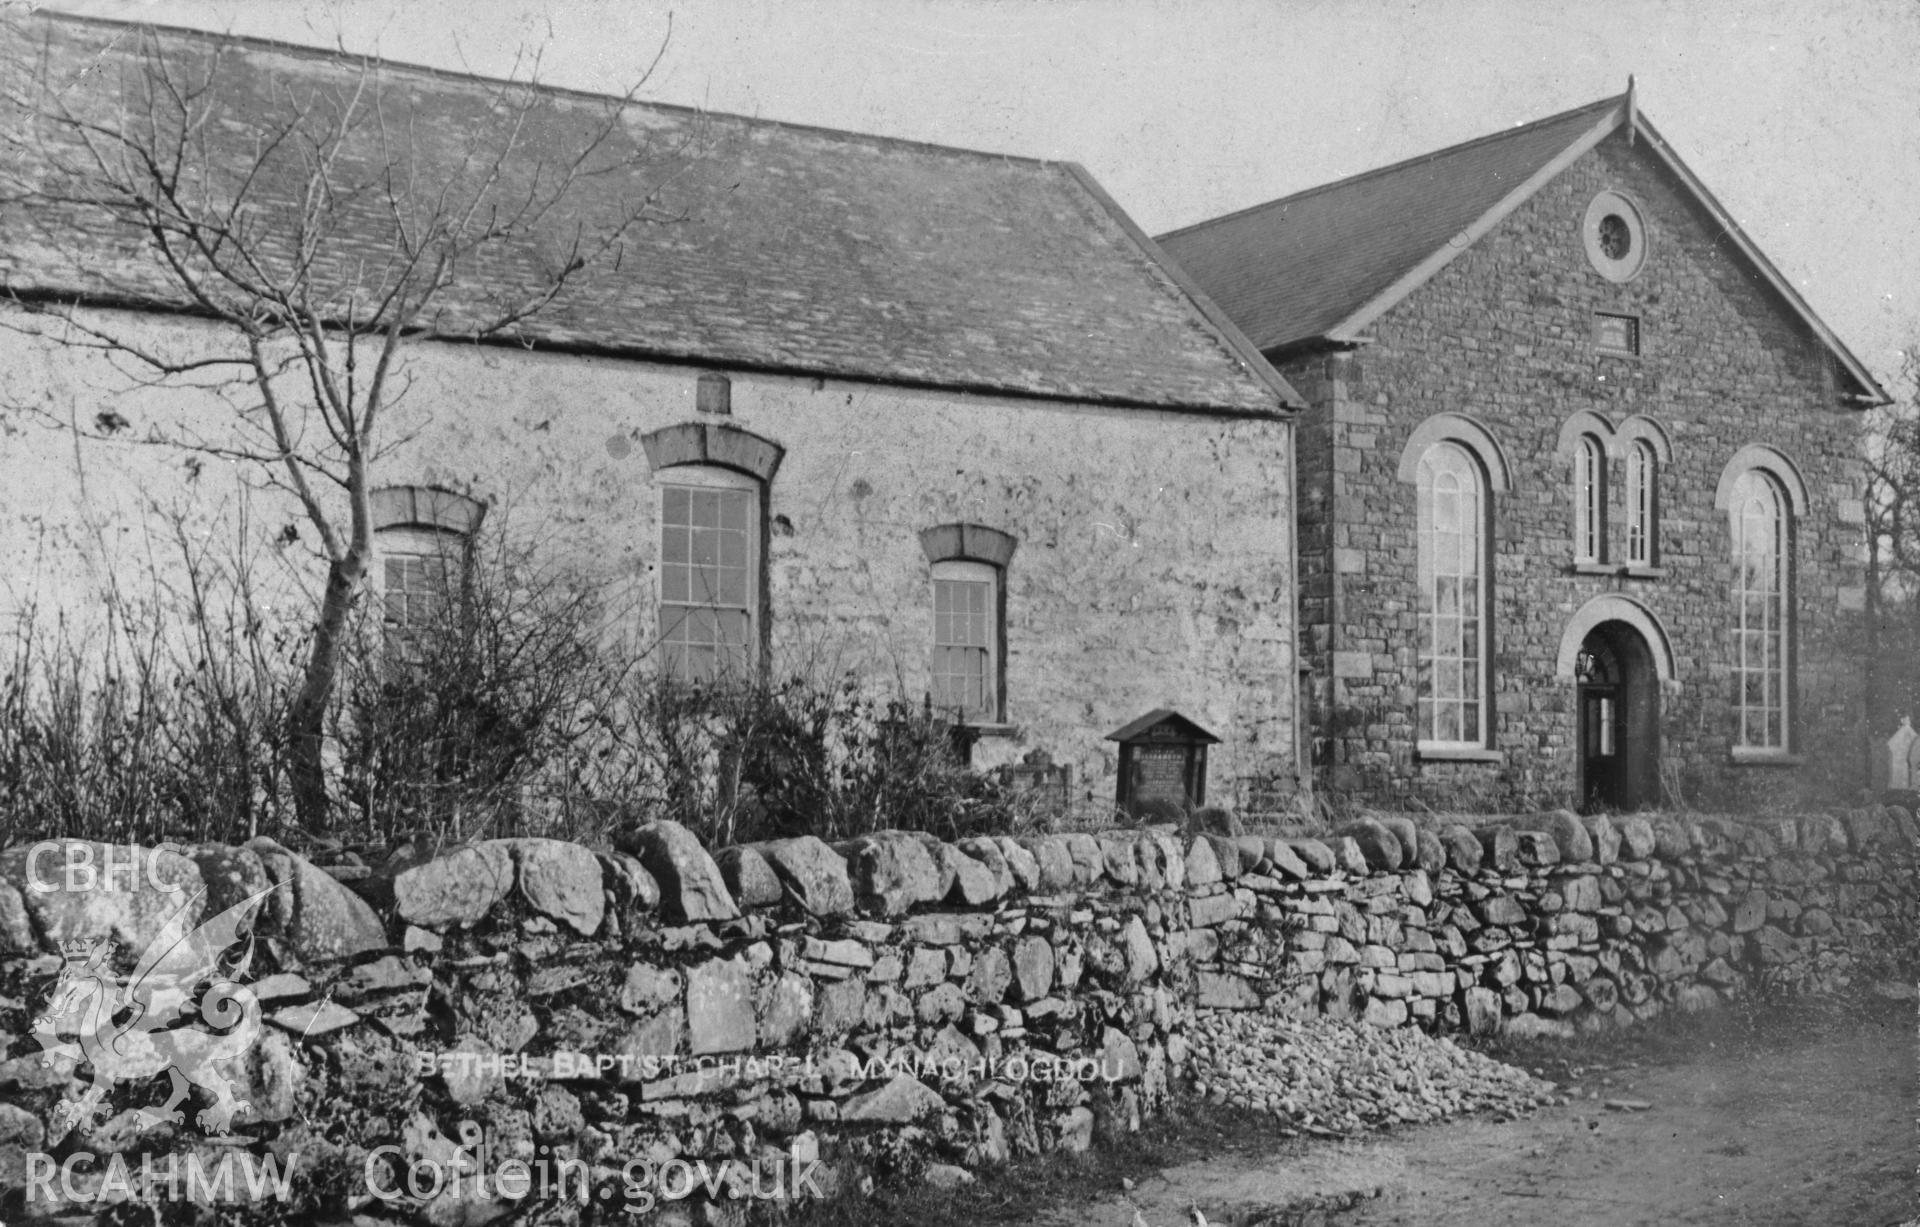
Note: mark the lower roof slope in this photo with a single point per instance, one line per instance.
(772, 247)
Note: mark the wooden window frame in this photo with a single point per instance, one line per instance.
(1760, 525)
(972, 553)
(975, 575)
(1642, 503)
(419, 524)
(1454, 463)
(691, 483)
(1590, 501)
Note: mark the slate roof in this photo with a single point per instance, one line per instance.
(787, 249)
(1321, 264)
(1293, 268)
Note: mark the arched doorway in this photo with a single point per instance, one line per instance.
(1617, 710)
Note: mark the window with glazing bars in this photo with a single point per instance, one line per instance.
(1643, 472)
(1453, 599)
(709, 591)
(1760, 631)
(965, 672)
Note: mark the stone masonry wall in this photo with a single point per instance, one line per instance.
(1503, 335)
(872, 1006)
(1153, 567)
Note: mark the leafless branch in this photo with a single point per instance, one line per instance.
(319, 225)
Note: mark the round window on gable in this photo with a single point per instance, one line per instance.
(1616, 240)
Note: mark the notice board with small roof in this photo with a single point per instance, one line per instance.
(1163, 765)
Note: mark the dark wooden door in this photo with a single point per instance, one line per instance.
(1604, 770)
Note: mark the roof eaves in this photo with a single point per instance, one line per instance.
(1349, 328)
(1230, 336)
(38, 297)
(1871, 393)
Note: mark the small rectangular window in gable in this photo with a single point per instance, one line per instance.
(1616, 334)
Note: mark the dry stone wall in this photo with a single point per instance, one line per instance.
(871, 1006)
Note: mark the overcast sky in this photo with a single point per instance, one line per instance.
(1802, 116)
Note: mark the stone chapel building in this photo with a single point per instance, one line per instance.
(944, 421)
(1580, 516)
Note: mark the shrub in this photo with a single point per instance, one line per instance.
(743, 760)
(131, 737)
(505, 708)
(444, 724)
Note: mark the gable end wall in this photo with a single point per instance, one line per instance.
(1503, 334)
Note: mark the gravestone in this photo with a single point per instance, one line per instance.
(1902, 764)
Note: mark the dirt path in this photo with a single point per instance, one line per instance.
(1819, 1130)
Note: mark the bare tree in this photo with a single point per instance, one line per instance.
(321, 213)
(1891, 446)
(1893, 480)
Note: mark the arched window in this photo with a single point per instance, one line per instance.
(1452, 694)
(966, 639)
(422, 542)
(713, 479)
(709, 572)
(1643, 492)
(1762, 640)
(967, 668)
(1589, 501)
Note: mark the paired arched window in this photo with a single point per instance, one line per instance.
(1762, 494)
(1591, 444)
(713, 480)
(1452, 687)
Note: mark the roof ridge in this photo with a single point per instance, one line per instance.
(1594, 107)
(307, 51)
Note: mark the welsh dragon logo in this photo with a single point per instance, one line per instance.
(135, 1027)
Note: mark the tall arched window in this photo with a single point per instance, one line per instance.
(1452, 712)
(966, 639)
(1589, 501)
(967, 674)
(1762, 643)
(1643, 487)
(709, 572)
(713, 479)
